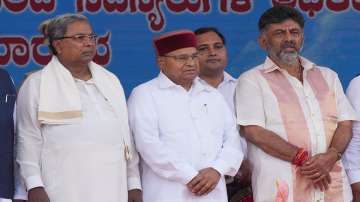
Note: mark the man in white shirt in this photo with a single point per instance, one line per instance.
(295, 117)
(183, 130)
(213, 61)
(352, 155)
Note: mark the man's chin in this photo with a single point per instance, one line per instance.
(87, 58)
(213, 66)
(190, 76)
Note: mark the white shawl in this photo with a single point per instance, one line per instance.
(59, 101)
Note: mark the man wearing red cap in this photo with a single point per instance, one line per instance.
(183, 130)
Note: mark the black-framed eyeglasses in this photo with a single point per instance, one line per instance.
(81, 37)
(183, 58)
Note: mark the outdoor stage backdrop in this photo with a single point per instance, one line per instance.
(126, 29)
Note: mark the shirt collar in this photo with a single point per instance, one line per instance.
(164, 81)
(228, 78)
(270, 66)
(90, 81)
(198, 86)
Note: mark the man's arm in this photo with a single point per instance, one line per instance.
(29, 141)
(251, 117)
(269, 142)
(133, 176)
(321, 164)
(275, 146)
(227, 161)
(20, 193)
(342, 136)
(351, 158)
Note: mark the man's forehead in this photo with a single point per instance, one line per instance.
(208, 38)
(188, 50)
(79, 27)
(287, 24)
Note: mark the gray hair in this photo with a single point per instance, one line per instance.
(56, 27)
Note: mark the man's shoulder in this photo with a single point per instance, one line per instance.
(325, 69)
(355, 81)
(147, 84)
(32, 79)
(144, 88)
(251, 72)
(34, 76)
(328, 73)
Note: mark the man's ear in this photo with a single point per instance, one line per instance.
(262, 41)
(57, 46)
(161, 62)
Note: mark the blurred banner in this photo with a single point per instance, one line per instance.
(126, 29)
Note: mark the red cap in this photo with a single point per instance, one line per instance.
(174, 40)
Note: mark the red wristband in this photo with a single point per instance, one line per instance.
(301, 156)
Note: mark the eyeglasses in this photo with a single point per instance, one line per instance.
(205, 49)
(81, 38)
(184, 58)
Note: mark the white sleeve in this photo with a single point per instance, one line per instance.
(351, 158)
(20, 190)
(144, 126)
(133, 174)
(29, 137)
(229, 159)
(249, 103)
(343, 107)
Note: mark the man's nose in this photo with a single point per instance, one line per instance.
(288, 36)
(212, 51)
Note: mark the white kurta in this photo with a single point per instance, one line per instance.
(74, 162)
(227, 89)
(351, 157)
(178, 133)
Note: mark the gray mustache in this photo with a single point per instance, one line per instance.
(288, 45)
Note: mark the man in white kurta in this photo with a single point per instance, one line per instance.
(181, 131)
(352, 155)
(74, 162)
(289, 105)
(73, 139)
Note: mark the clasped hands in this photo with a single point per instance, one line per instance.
(318, 168)
(204, 182)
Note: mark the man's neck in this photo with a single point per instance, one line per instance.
(186, 86)
(294, 70)
(213, 81)
(79, 71)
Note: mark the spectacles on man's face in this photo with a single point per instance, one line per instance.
(205, 49)
(183, 58)
(81, 38)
